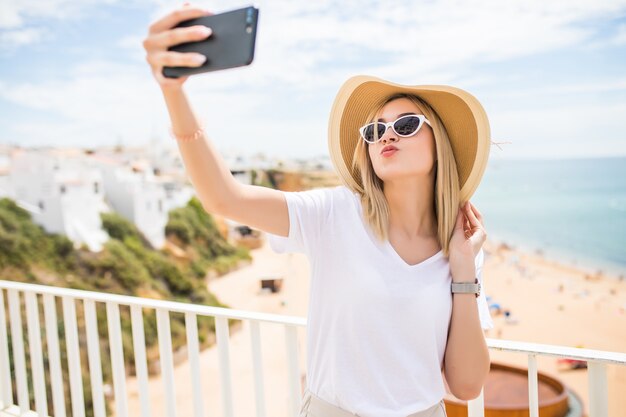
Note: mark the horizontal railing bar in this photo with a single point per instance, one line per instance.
(600, 356)
(174, 306)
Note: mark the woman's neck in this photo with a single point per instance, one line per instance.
(411, 206)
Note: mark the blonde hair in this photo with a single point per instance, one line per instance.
(447, 189)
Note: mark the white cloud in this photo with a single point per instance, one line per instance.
(581, 128)
(580, 88)
(620, 36)
(299, 40)
(13, 39)
(305, 50)
(15, 14)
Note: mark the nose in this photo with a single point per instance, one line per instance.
(389, 136)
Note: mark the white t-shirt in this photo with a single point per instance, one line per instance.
(377, 327)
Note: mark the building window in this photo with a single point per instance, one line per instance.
(41, 204)
(95, 187)
(160, 206)
(63, 189)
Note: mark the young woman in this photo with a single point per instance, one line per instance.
(395, 252)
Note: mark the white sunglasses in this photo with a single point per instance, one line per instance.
(404, 126)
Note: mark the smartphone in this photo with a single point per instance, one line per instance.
(230, 45)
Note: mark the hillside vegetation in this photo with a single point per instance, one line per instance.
(126, 265)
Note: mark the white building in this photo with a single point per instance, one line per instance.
(141, 197)
(61, 192)
(6, 188)
(66, 190)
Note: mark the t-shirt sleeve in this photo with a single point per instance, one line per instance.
(309, 211)
(483, 308)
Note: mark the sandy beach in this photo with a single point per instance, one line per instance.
(547, 303)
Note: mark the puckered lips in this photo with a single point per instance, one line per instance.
(388, 148)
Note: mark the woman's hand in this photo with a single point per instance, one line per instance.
(467, 240)
(161, 36)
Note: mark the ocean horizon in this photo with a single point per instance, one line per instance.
(572, 210)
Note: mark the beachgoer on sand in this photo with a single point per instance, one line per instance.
(395, 251)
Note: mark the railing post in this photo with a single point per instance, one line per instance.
(598, 390)
(257, 363)
(73, 357)
(95, 363)
(167, 362)
(19, 360)
(193, 352)
(533, 388)
(221, 331)
(476, 407)
(36, 354)
(54, 354)
(6, 389)
(291, 338)
(117, 359)
(141, 366)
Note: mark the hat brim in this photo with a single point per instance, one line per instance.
(461, 113)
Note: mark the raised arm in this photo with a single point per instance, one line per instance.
(219, 192)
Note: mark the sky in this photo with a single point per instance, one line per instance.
(550, 74)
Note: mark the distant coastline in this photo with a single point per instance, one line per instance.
(591, 266)
(571, 210)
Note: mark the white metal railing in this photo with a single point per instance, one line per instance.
(136, 304)
(597, 360)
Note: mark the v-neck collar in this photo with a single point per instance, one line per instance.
(386, 246)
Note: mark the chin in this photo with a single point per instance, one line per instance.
(391, 173)
(397, 172)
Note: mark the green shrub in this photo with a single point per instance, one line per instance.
(122, 264)
(178, 227)
(63, 247)
(120, 228)
(23, 242)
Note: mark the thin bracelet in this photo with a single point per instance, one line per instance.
(186, 138)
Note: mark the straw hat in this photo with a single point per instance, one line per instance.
(462, 115)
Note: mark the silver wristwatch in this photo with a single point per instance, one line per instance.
(466, 287)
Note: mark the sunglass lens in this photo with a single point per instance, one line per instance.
(369, 131)
(407, 125)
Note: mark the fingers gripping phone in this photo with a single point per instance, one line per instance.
(230, 45)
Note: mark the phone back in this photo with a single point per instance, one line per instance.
(230, 45)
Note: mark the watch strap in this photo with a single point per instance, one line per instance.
(466, 287)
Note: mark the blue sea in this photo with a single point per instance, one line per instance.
(573, 210)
